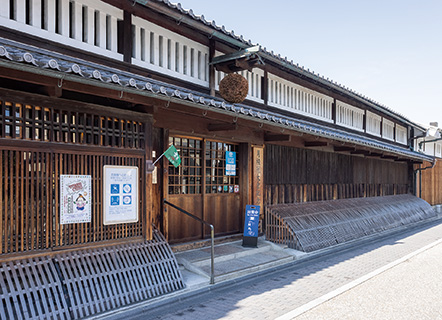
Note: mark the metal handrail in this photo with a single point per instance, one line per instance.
(212, 236)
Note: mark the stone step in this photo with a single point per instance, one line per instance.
(230, 269)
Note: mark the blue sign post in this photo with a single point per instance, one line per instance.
(251, 223)
(230, 163)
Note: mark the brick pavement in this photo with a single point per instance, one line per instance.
(408, 290)
(273, 295)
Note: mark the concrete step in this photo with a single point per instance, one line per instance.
(238, 267)
(233, 260)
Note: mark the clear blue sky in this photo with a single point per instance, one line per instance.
(388, 50)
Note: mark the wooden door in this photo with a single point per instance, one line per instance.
(201, 187)
(222, 201)
(184, 189)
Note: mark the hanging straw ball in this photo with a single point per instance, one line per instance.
(234, 88)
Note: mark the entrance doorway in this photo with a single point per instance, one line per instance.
(201, 186)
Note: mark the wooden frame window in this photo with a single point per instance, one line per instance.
(194, 152)
(48, 124)
(187, 178)
(216, 179)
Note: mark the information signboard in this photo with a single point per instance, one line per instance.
(120, 194)
(251, 224)
(230, 163)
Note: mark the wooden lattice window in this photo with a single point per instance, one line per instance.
(30, 204)
(49, 124)
(216, 179)
(186, 179)
(40, 142)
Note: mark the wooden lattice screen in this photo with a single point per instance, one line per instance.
(82, 283)
(37, 145)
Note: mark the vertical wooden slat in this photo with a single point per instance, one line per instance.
(21, 174)
(56, 213)
(49, 199)
(17, 212)
(41, 198)
(6, 213)
(1, 201)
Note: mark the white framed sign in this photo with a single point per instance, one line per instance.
(120, 187)
(75, 199)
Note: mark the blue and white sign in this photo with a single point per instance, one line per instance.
(251, 221)
(120, 194)
(230, 163)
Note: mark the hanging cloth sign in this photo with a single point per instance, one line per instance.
(173, 156)
(230, 163)
(75, 199)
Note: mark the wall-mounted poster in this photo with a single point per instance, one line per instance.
(120, 194)
(76, 199)
(230, 163)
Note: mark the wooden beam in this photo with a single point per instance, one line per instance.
(222, 126)
(312, 144)
(389, 157)
(374, 155)
(343, 149)
(277, 137)
(53, 91)
(363, 152)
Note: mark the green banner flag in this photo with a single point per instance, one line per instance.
(172, 155)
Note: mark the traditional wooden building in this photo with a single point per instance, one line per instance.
(88, 85)
(429, 175)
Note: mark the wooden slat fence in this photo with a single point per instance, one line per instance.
(311, 226)
(82, 283)
(32, 289)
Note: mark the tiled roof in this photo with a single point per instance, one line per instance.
(283, 60)
(61, 65)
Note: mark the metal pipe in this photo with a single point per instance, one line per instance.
(212, 253)
(212, 236)
(420, 176)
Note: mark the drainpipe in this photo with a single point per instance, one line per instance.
(420, 177)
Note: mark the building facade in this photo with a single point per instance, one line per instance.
(86, 85)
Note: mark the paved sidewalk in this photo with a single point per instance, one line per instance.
(409, 290)
(279, 293)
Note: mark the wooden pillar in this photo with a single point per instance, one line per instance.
(147, 207)
(165, 174)
(127, 37)
(265, 87)
(157, 180)
(212, 68)
(258, 179)
(245, 177)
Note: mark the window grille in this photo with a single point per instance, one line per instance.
(216, 179)
(49, 124)
(186, 178)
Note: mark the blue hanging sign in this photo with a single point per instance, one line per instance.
(251, 223)
(230, 163)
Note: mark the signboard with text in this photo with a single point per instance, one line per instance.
(230, 163)
(120, 194)
(76, 198)
(251, 224)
